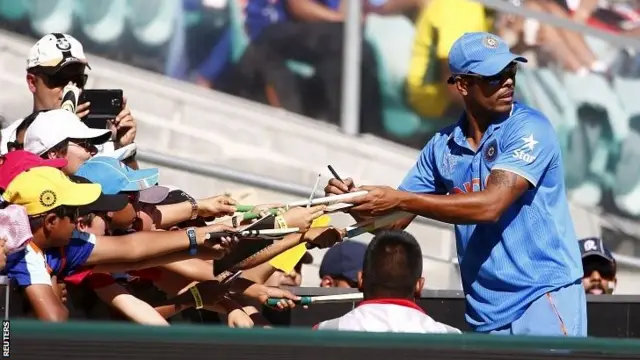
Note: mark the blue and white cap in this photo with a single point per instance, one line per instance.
(116, 177)
(480, 53)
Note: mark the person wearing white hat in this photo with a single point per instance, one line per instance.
(55, 61)
(60, 134)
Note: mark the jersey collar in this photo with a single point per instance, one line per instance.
(390, 301)
(457, 135)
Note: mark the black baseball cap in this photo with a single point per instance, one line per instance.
(104, 203)
(595, 247)
(344, 259)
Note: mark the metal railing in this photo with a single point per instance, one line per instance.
(241, 177)
(352, 50)
(506, 7)
(260, 181)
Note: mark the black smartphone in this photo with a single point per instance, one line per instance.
(106, 104)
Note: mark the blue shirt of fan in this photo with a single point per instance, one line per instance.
(532, 249)
(262, 13)
(29, 266)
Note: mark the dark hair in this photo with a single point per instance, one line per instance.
(62, 211)
(60, 148)
(392, 265)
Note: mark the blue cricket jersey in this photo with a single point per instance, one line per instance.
(31, 267)
(532, 249)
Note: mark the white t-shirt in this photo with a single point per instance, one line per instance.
(9, 134)
(387, 315)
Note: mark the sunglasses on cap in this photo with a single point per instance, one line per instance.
(507, 73)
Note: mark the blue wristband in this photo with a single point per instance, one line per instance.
(193, 244)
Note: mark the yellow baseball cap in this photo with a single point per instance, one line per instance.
(42, 189)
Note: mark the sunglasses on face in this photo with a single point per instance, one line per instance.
(61, 79)
(87, 145)
(134, 198)
(73, 213)
(507, 73)
(604, 268)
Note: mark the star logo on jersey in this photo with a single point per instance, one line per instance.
(529, 142)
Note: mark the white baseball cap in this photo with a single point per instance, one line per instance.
(52, 127)
(54, 51)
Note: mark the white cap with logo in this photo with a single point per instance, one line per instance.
(54, 51)
(52, 127)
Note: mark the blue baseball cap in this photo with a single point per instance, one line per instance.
(595, 246)
(480, 53)
(115, 177)
(344, 259)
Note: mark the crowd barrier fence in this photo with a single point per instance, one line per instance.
(35, 340)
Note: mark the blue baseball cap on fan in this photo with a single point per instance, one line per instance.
(344, 259)
(115, 177)
(480, 53)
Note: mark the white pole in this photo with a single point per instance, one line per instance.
(352, 57)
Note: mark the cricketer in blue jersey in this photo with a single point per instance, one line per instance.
(501, 168)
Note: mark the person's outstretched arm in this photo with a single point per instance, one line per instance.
(310, 11)
(130, 306)
(147, 244)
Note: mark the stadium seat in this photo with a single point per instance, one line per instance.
(602, 49)
(626, 184)
(240, 40)
(392, 39)
(627, 169)
(153, 22)
(602, 124)
(542, 89)
(13, 10)
(600, 94)
(101, 21)
(157, 40)
(48, 16)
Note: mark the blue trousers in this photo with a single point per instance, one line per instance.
(562, 312)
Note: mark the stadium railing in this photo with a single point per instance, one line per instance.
(36, 340)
